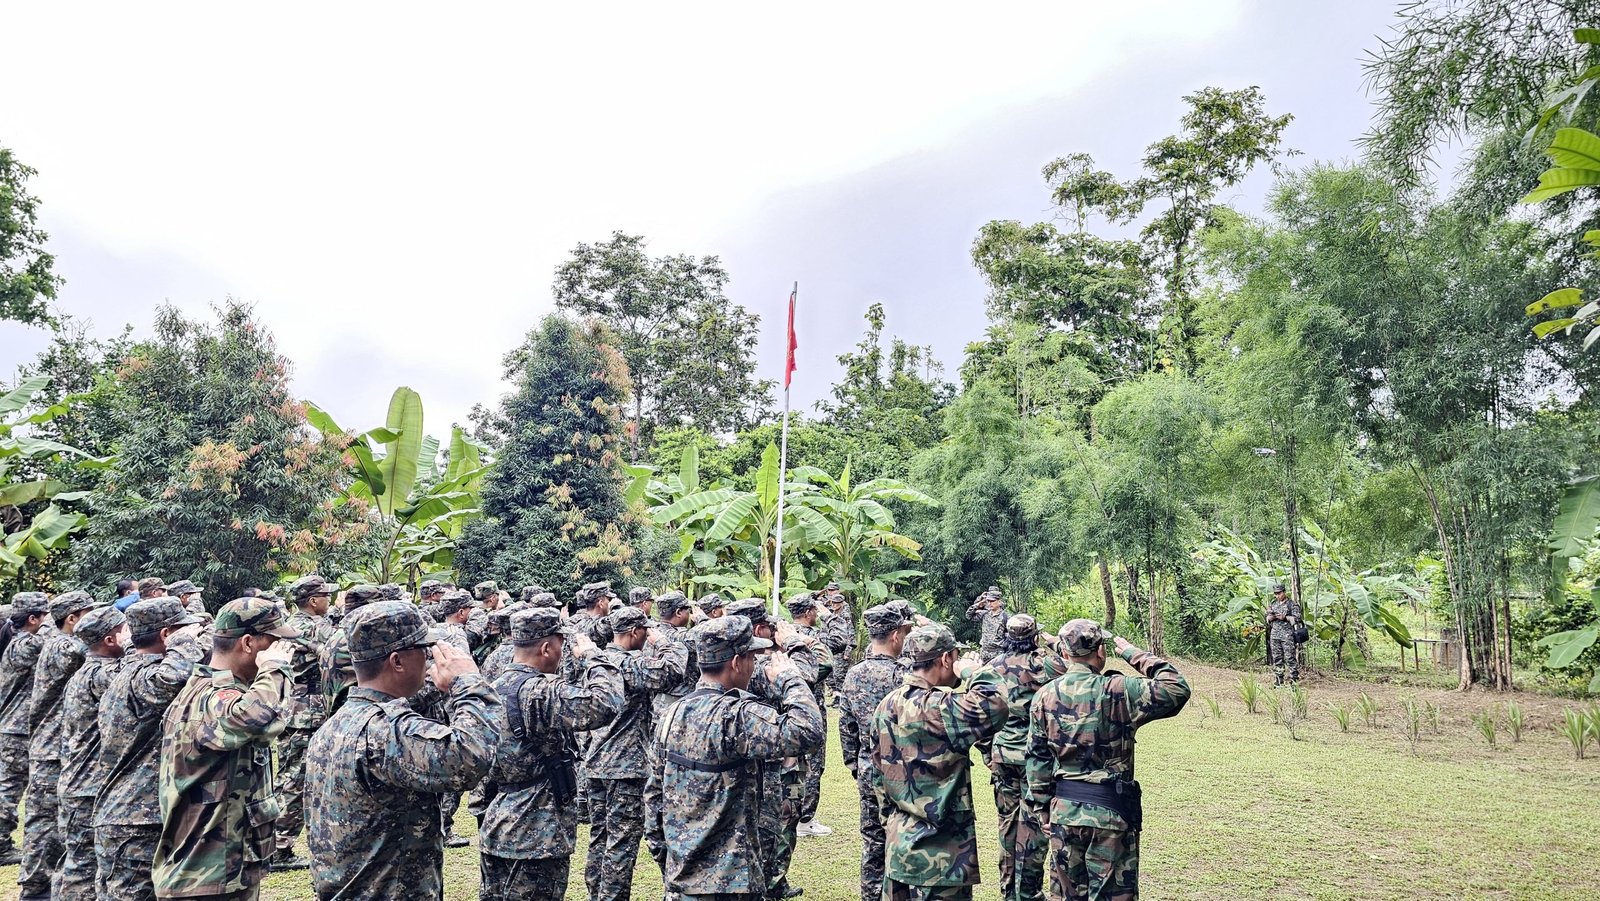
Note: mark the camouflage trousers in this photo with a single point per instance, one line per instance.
(1023, 842)
(899, 891)
(449, 803)
(41, 830)
(815, 761)
(1093, 864)
(77, 881)
(1283, 652)
(782, 790)
(616, 824)
(535, 879)
(123, 858)
(655, 826)
(841, 666)
(13, 783)
(291, 785)
(872, 840)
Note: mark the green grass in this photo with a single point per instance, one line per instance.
(1236, 810)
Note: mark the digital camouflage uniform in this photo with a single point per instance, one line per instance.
(308, 709)
(455, 634)
(127, 812)
(376, 769)
(333, 658)
(816, 759)
(1282, 652)
(867, 684)
(531, 826)
(17, 666)
(668, 605)
(82, 770)
(592, 625)
(217, 803)
(494, 662)
(1024, 668)
(992, 623)
(713, 745)
(1082, 731)
(922, 755)
(839, 630)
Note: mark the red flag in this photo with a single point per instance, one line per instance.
(788, 369)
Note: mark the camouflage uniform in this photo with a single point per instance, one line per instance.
(333, 658)
(531, 826)
(376, 768)
(308, 709)
(17, 667)
(840, 631)
(217, 805)
(668, 605)
(713, 743)
(589, 622)
(992, 623)
(82, 770)
(1024, 667)
(494, 662)
(816, 759)
(454, 634)
(867, 684)
(189, 595)
(1282, 652)
(1081, 746)
(924, 736)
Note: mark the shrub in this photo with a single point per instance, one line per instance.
(1413, 721)
(1297, 698)
(1341, 715)
(1514, 721)
(1575, 726)
(1369, 709)
(1249, 693)
(1486, 726)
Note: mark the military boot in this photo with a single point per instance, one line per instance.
(285, 859)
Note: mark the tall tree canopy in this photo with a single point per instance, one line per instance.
(28, 281)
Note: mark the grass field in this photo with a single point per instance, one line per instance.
(1236, 809)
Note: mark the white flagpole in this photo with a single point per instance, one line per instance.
(783, 459)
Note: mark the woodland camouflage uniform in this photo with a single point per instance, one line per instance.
(82, 770)
(1082, 731)
(308, 709)
(866, 685)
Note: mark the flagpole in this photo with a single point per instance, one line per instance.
(783, 454)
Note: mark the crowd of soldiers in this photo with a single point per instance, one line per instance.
(161, 751)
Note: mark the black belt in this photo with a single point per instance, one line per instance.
(1123, 796)
(692, 764)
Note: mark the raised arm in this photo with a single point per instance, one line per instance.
(429, 756)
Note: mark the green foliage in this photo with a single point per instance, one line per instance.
(1274, 702)
(33, 522)
(1486, 725)
(1341, 715)
(1577, 729)
(28, 282)
(1249, 692)
(1368, 707)
(1214, 706)
(1413, 722)
(1514, 720)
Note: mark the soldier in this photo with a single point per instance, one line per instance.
(189, 595)
(840, 633)
(531, 826)
(868, 683)
(102, 631)
(1080, 761)
(59, 657)
(127, 812)
(675, 612)
(456, 607)
(217, 805)
(594, 604)
(1024, 667)
(308, 709)
(152, 587)
(713, 606)
(713, 745)
(1283, 614)
(127, 594)
(30, 612)
(333, 659)
(376, 768)
(805, 610)
(498, 650)
(924, 733)
(455, 610)
(617, 761)
(989, 610)
(643, 598)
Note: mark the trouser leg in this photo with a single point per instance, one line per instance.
(77, 881)
(123, 858)
(41, 831)
(540, 879)
(13, 783)
(290, 786)
(872, 842)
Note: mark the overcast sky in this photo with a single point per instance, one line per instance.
(392, 185)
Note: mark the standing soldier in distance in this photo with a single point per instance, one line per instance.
(805, 611)
(867, 684)
(1024, 666)
(1080, 761)
(217, 806)
(923, 755)
(531, 826)
(840, 631)
(675, 611)
(30, 611)
(989, 611)
(1283, 614)
(376, 768)
(713, 606)
(333, 659)
(101, 630)
(308, 708)
(713, 746)
(594, 602)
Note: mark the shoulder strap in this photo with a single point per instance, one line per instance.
(511, 695)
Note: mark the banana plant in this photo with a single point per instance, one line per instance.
(860, 528)
(34, 536)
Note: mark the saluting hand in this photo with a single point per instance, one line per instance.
(278, 653)
(779, 663)
(1123, 644)
(581, 645)
(449, 662)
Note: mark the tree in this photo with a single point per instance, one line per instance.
(690, 350)
(219, 479)
(553, 504)
(28, 282)
(33, 522)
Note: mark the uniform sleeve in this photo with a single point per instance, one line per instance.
(655, 669)
(849, 732)
(426, 755)
(805, 660)
(795, 728)
(1294, 610)
(976, 712)
(591, 703)
(976, 610)
(39, 703)
(1161, 692)
(158, 685)
(1041, 759)
(234, 719)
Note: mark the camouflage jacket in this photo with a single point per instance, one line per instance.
(130, 732)
(486, 647)
(1083, 728)
(992, 627)
(17, 668)
(865, 686)
(709, 769)
(1023, 675)
(1286, 607)
(217, 805)
(839, 630)
(58, 660)
(82, 770)
(620, 749)
(922, 744)
(527, 821)
(338, 671)
(456, 634)
(821, 652)
(497, 661)
(691, 669)
(374, 773)
(308, 705)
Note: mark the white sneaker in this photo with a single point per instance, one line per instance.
(812, 827)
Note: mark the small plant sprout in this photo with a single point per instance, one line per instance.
(1575, 726)
(1369, 709)
(1249, 693)
(1215, 706)
(1486, 726)
(1413, 721)
(1430, 715)
(1514, 720)
(1297, 698)
(1275, 706)
(1341, 715)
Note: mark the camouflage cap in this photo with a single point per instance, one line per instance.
(591, 593)
(544, 599)
(429, 588)
(535, 624)
(98, 623)
(800, 603)
(485, 590)
(151, 615)
(378, 630)
(639, 595)
(253, 616)
(389, 591)
(500, 620)
(905, 608)
(528, 591)
(994, 590)
(455, 602)
(671, 603)
(832, 586)
(725, 638)
(1081, 637)
(30, 602)
(926, 643)
(1277, 587)
(182, 587)
(360, 596)
(67, 603)
(712, 601)
(626, 619)
(307, 586)
(883, 619)
(268, 593)
(753, 609)
(1021, 627)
